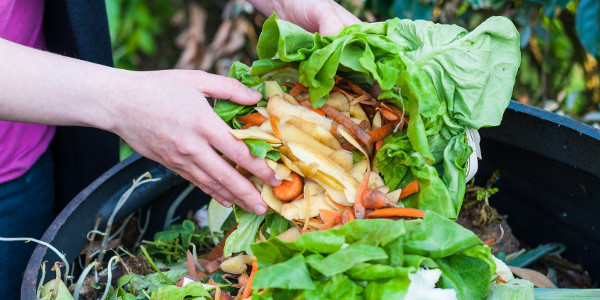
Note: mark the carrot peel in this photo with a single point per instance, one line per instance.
(409, 189)
(396, 212)
(248, 288)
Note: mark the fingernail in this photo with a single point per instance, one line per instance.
(226, 203)
(259, 209)
(275, 182)
(254, 94)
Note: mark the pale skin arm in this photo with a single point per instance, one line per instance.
(163, 115)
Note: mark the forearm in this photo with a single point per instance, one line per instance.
(46, 88)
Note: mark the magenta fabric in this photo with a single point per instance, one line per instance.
(22, 144)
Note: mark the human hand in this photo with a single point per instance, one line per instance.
(166, 117)
(325, 16)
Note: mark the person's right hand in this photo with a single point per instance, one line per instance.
(166, 117)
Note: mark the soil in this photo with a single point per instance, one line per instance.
(559, 270)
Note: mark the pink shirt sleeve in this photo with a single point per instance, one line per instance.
(22, 144)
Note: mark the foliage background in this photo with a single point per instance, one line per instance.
(559, 39)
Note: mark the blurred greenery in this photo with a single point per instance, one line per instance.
(559, 39)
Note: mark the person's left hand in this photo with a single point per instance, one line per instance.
(324, 16)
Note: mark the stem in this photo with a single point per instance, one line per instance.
(175, 205)
(39, 289)
(143, 229)
(138, 182)
(108, 280)
(82, 279)
(154, 265)
(60, 255)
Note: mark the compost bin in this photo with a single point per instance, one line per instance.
(549, 189)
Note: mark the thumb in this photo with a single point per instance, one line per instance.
(221, 87)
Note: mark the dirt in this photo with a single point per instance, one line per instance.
(559, 270)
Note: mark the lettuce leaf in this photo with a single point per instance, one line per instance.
(373, 259)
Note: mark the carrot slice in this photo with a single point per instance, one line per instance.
(409, 189)
(375, 199)
(247, 126)
(381, 132)
(356, 131)
(359, 208)
(396, 212)
(289, 189)
(256, 119)
(248, 288)
(328, 215)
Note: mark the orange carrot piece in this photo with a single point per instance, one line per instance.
(500, 279)
(396, 212)
(359, 208)
(409, 189)
(381, 132)
(256, 119)
(217, 251)
(289, 189)
(388, 115)
(274, 126)
(378, 145)
(348, 215)
(248, 288)
(328, 215)
(328, 225)
(320, 112)
(374, 199)
(356, 131)
(247, 126)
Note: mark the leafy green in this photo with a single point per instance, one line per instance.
(228, 111)
(262, 149)
(192, 290)
(154, 281)
(172, 244)
(348, 257)
(291, 274)
(245, 234)
(373, 260)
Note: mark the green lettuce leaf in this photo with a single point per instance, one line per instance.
(291, 274)
(373, 259)
(171, 292)
(245, 234)
(262, 149)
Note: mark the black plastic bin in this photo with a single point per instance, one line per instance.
(549, 188)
